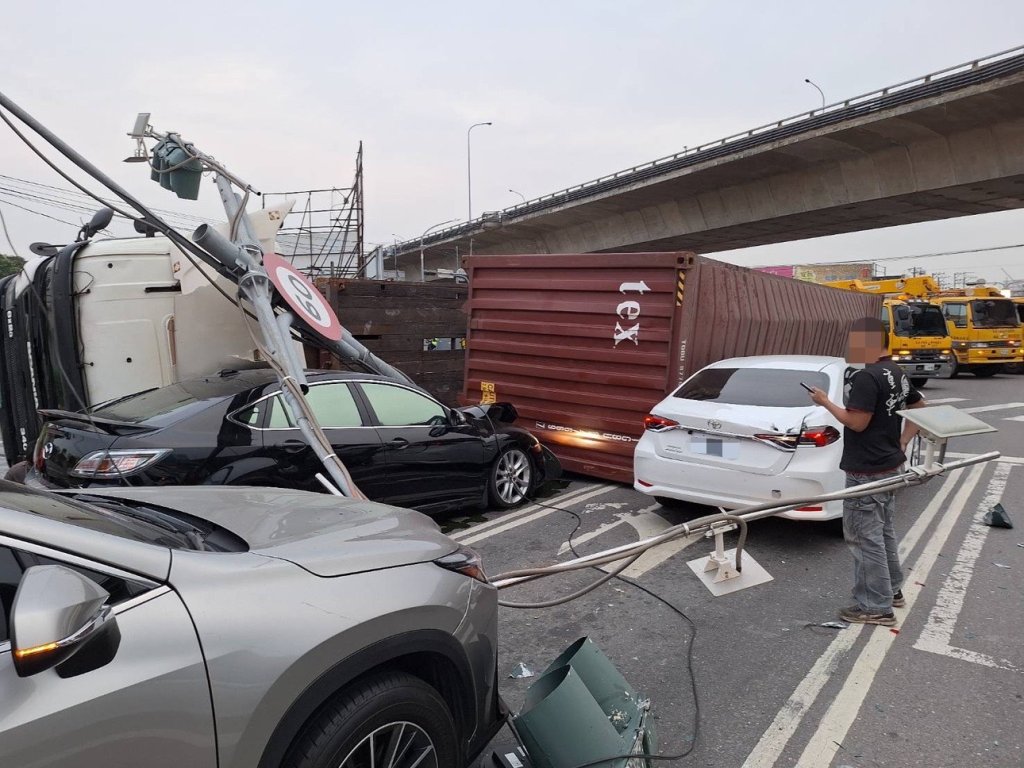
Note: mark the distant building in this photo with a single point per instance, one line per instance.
(823, 273)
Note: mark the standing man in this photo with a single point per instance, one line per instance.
(874, 448)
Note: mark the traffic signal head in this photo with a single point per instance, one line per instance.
(175, 169)
(580, 710)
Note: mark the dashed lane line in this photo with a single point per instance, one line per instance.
(773, 742)
(938, 630)
(832, 730)
(945, 400)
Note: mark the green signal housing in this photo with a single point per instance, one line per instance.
(176, 169)
(580, 710)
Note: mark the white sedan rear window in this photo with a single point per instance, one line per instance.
(769, 387)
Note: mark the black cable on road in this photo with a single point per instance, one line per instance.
(689, 650)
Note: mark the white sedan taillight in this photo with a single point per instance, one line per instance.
(816, 436)
(819, 436)
(654, 423)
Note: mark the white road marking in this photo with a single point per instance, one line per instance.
(1001, 459)
(1014, 418)
(773, 742)
(834, 726)
(544, 512)
(647, 523)
(652, 558)
(938, 631)
(996, 407)
(945, 400)
(556, 500)
(583, 538)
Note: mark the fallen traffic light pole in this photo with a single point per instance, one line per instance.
(722, 522)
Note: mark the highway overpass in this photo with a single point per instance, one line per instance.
(947, 144)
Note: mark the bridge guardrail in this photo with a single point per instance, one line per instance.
(932, 84)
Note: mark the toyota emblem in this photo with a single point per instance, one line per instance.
(48, 450)
(715, 425)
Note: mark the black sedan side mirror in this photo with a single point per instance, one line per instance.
(61, 619)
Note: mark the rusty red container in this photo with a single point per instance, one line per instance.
(585, 344)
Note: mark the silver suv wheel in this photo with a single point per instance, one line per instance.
(389, 720)
(395, 745)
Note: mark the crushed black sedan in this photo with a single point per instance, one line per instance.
(401, 445)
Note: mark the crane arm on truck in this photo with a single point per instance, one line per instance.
(919, 286)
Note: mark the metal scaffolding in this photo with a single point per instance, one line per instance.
(323, 234)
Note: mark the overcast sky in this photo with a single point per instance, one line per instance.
(283, 93)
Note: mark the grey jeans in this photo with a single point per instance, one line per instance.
(869, 532)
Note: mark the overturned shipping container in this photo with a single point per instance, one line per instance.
(585, 344)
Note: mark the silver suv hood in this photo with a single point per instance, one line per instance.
(326, 535)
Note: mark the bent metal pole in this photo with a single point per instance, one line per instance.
(243, 259)
(913, 476)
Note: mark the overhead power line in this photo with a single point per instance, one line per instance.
(39, 213)
(75, 201)
(911, 257)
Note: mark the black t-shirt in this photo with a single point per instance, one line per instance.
(880, 389)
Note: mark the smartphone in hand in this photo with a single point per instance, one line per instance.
(809, 389)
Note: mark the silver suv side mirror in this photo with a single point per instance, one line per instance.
(60, 619)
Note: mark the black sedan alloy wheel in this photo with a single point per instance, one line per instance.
(511, 478)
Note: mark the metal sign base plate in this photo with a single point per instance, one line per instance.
(751, 575)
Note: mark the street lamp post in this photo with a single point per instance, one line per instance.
(518, 193)
(815, 86)
(423, 273)
(394, 255)
(469, 170)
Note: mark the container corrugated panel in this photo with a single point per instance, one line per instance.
(585, 344)
(731, 311)
(397, 321)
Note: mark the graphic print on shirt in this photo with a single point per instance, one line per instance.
(896, 400)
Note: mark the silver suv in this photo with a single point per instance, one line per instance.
(238, 627)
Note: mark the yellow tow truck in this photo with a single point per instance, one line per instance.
(919, 340)
(985, 327)
(1018, 302)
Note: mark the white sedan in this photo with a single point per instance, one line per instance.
(743, 431)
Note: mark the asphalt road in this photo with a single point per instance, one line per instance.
(774, 688)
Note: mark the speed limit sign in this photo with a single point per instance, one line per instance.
(302, 296)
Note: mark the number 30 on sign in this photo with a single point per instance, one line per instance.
(303, 297)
